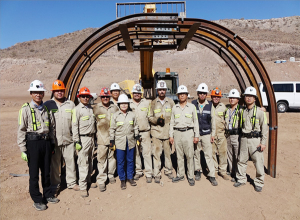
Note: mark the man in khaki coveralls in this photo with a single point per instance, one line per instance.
(184, 133)
(64, 149)
(232, 131)
(253, 141)
(159, 117)
(36, 139)
(207, 129)
(141, 108)
(103, 112)
(84, 129)
(219, 145)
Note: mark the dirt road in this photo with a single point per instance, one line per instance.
(280, 198)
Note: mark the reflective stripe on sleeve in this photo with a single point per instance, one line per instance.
(74, 115)
(101, 116)
(265, 118)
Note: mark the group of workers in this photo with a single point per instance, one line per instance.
(120, 130)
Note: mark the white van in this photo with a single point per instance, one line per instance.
(287, 95)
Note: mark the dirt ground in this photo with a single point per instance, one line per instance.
(280, 198)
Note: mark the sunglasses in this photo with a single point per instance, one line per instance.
(202, 93)
(105, 97)
(85, 96)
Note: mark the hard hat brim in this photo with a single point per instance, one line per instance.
(84, 94)
(36, 90)
(58, 89)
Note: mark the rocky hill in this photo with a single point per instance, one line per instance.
(43, 59)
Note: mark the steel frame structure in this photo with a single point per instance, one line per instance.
(228, 45)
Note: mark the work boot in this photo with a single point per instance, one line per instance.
(84, 193)
(123, 184)
(39, 206)
(169, 175)
(75, 187)
(191, 182)
(52, 200)
(148, 179)
(197, 175)
(224, 176)
(102, 187)
(213, 181)
(177, 179)
(157, 179)
(138, 176)
(233, 180)
(238, 184)
(258, 188)
(132, 182)
(112, 180)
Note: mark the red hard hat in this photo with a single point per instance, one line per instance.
(104, 92)
(216, 92)
(84, 91)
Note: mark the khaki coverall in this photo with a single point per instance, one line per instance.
(104, 154)
(184, 118)
(160, 135)
(64, 142)
(249, 145)
(232, 140)
(220, 144)
(205, 144)
(141, 110)
(84, 129)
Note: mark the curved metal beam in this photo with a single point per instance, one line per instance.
(109, 35)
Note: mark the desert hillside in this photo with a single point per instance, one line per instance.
(271, 39)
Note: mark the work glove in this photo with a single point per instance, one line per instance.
(53, 148)
(138, 138)
(161, 122)
(78, 146)
(24, 156)
(112, 144)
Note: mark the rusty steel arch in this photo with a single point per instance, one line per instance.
(228, 45)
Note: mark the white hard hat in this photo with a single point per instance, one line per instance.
(161, 85)
(202, 88)
(182, 89)
(123, 99)
(234, 93)
(137, 88)
(37, 85)
(114, 86)
(250, 91)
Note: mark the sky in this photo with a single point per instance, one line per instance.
(22, 21)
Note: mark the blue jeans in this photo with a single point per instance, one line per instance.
(129, 155)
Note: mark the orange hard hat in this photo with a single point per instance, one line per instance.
(58, 85)
(105, 92)
(84, 91)
(216, 92)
